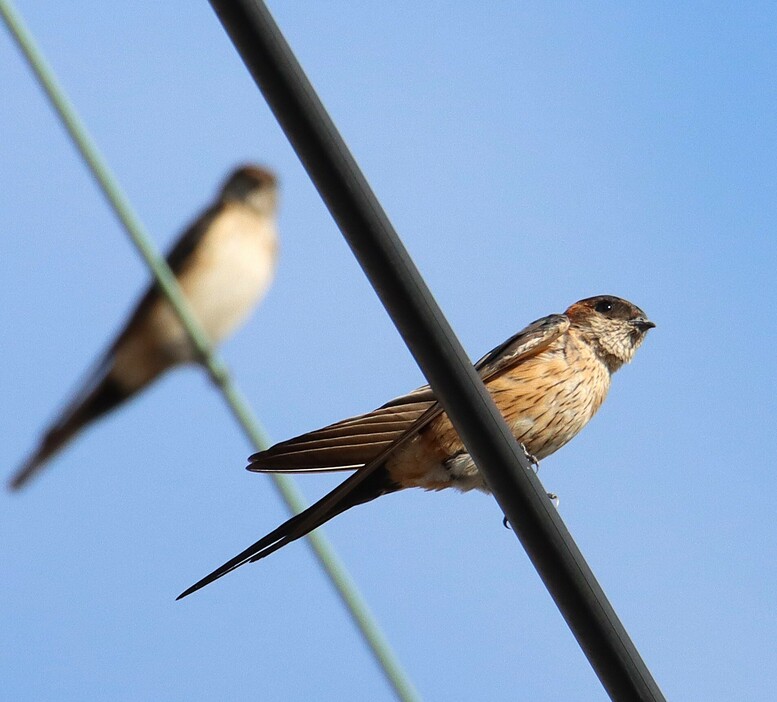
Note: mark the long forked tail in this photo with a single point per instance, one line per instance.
(85, 408)
(355, 490)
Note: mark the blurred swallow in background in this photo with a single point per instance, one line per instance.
(224, 263)
(548, 381)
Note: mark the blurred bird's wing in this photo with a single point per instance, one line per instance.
(99, 392)
(179, 258)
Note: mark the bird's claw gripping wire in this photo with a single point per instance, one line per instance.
(535, 464)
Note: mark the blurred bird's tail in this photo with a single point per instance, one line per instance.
(96, 400)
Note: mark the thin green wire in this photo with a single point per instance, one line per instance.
(215, 367)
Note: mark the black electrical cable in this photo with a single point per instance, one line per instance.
(437, 351)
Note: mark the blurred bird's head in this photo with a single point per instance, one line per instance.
(614, 327)
(253, 186)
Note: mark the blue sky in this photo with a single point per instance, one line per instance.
(529, 155)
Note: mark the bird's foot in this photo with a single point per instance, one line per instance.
(535, 464)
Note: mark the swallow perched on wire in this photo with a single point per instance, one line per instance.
(548, 381)
(224, 262)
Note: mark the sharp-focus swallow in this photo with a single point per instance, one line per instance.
(548, 381)
(224, 263)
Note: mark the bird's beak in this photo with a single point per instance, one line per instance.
(642, 323)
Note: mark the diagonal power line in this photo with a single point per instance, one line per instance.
(439, 354)
(215, 367)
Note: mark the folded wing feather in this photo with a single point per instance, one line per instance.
(354, 442)
(345, 445)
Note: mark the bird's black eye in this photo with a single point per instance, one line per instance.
(603, 306)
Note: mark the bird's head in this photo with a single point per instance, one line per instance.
(253, 186)
(614, 327)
